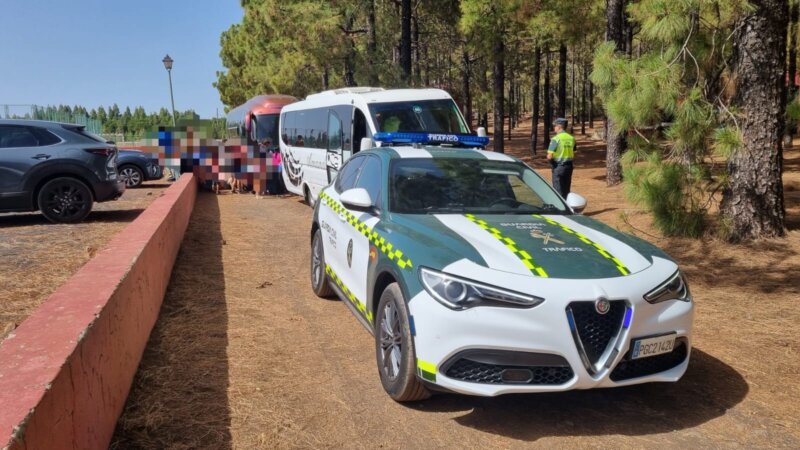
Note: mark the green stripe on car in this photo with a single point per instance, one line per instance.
(599, 248)
(523, 255)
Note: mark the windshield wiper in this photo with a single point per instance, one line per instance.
(444, 209)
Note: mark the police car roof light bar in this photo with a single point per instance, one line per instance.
(466, 140)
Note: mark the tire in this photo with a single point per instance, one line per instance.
(65, 200)
(132, 175)
(307, 197)
(394, 349)
(319, 279)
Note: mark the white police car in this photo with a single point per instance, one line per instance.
(476, 277)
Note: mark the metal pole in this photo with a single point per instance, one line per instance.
(171, 97)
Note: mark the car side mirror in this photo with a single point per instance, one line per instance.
(576, 202)
(356, 199)
(366, 144)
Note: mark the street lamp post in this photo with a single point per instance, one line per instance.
(168, 65)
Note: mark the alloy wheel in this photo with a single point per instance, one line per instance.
(316, 262)
(131, 176)
(391, 341)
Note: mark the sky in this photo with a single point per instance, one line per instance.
(101, 52)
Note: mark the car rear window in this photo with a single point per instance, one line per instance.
(82, 131)
(25, 136)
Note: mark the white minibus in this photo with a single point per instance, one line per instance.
(320, 133)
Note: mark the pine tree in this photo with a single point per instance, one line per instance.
(753, 204)
(674, 99)
(615, 135)
(491, 22)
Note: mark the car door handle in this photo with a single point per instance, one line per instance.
(342, 217)
(41, 156)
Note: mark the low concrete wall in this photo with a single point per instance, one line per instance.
(66, 371)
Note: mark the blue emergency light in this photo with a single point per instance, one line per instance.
(464, 140)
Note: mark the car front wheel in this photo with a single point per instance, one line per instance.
(65, 200)
(394, 349)
(132, 176)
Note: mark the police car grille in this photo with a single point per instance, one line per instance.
(596, 330)
(476, 372)
(635, 368)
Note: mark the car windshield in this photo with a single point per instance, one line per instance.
(431, 116)
(477, 186)
(267, 129)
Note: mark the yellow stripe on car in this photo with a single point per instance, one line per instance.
(510, 244)
(376, 239)
(602, 251)
(426, 370)
(349, 294)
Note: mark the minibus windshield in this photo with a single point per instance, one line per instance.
(431, 116)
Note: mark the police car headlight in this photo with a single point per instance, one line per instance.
(675, 288)
(459, 293)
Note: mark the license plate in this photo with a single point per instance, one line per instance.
(642, 348)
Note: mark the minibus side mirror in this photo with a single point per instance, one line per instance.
(366, 144)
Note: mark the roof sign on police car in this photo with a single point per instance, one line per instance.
(464, 140)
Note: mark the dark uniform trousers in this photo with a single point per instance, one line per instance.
(562, 177)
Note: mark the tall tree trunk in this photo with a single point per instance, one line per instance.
(583, 98)
(325, 79)
(498, 82)
(350, 54)
(590, 110)
(615, 17)
(548, 104)
(372, 45)
(572, 102)
(415, 47)
(562, 81)
(537, 60)
(627, 32)
(792, 44)
(510, 102)
(465, 81)
(753, 202)
(405, 40)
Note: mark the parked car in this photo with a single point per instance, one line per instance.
(476, 277)
(136, 167)
(59, 169)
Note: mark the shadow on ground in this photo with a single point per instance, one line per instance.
(709, 388)
(28, 219)
(179, 395)
(718, 265)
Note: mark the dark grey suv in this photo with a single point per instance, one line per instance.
(57, 168)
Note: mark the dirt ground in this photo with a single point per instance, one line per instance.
(38, 256)
(245, 356)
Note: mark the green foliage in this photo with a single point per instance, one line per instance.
(793, 110)
(294, 46)
(671, 96)
(662, 187)
(727, 140)
(132, 125)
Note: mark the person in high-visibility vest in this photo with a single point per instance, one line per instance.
(560, 155)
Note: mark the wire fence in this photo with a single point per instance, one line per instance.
(36, 112)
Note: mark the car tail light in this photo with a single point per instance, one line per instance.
(100, 151)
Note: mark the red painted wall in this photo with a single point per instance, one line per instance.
(66, 371)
